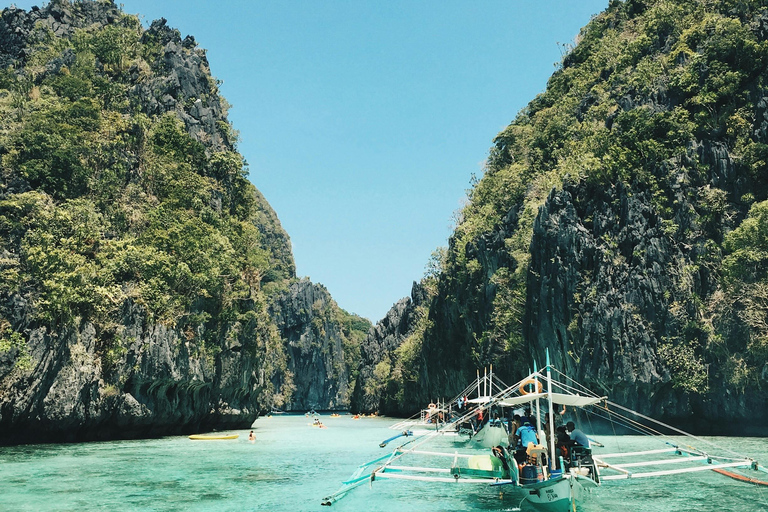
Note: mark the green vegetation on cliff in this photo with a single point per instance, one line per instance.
(121, 188)
(608, 223)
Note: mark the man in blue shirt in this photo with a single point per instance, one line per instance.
(577, 435)
(527, 434)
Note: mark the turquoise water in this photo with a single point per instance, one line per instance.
(292, 466)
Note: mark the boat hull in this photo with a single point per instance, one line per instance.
(557, 495)
(197, 437)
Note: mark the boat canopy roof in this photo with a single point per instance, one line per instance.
(557, 398)
(480, 400)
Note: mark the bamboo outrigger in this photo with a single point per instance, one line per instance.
(549, 481)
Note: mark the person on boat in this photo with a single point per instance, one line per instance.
(576, 435)
(251, 437)
(527, 416)
(562, 441)
(544, 433)
(513, 426)
(526, 436)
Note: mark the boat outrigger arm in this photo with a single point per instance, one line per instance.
(404, 433)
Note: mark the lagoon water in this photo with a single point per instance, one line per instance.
(292, 466)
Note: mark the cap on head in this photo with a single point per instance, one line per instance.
(570, 426)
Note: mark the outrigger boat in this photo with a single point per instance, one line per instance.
(461, 414)
(551, 476)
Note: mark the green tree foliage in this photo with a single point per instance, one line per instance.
(745, 277)
(102, 203)
(646, 81)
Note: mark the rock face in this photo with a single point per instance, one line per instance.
(18, 26)
(181, 81)
(317, 367)
(380, 344)
(616, 273)
(182, 85)
(168, 387)
(603, 227)
(127, 371)
(608, 294)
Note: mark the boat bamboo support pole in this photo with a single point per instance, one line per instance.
(400, 476)
(537, 407)
(478, 383)
(632, 454)
(551, 421)
(609, 466)
(683, 432)
(658, 462)
(707, 467)
(416, 469)
(491, 386)
(437, 454)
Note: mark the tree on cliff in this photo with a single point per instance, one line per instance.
(138, 263)
(599, 227)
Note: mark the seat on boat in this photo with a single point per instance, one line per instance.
(580, 455)
(583, 463)
(537, 454)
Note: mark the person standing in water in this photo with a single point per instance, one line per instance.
(251, 437)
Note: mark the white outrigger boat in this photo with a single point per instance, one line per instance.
(551, 477)
(458, 415)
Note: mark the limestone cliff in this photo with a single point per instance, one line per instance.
(322, 347)
(146, 287)
(380, 357)
(620, 223)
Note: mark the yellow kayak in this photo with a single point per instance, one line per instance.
(213, 438)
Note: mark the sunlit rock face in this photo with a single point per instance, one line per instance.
(126, 373)
(315, 342)
(620, 225)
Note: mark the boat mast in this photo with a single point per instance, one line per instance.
(478, 384)
(551, 421)
(536, 390)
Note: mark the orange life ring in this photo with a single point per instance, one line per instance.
(537, 383)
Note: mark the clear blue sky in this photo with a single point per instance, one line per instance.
(363, 120)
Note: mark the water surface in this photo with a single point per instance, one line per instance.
(292, 466)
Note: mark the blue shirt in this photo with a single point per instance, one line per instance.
(580, 438)
(527, 434)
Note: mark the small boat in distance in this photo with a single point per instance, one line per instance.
(198, 437)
